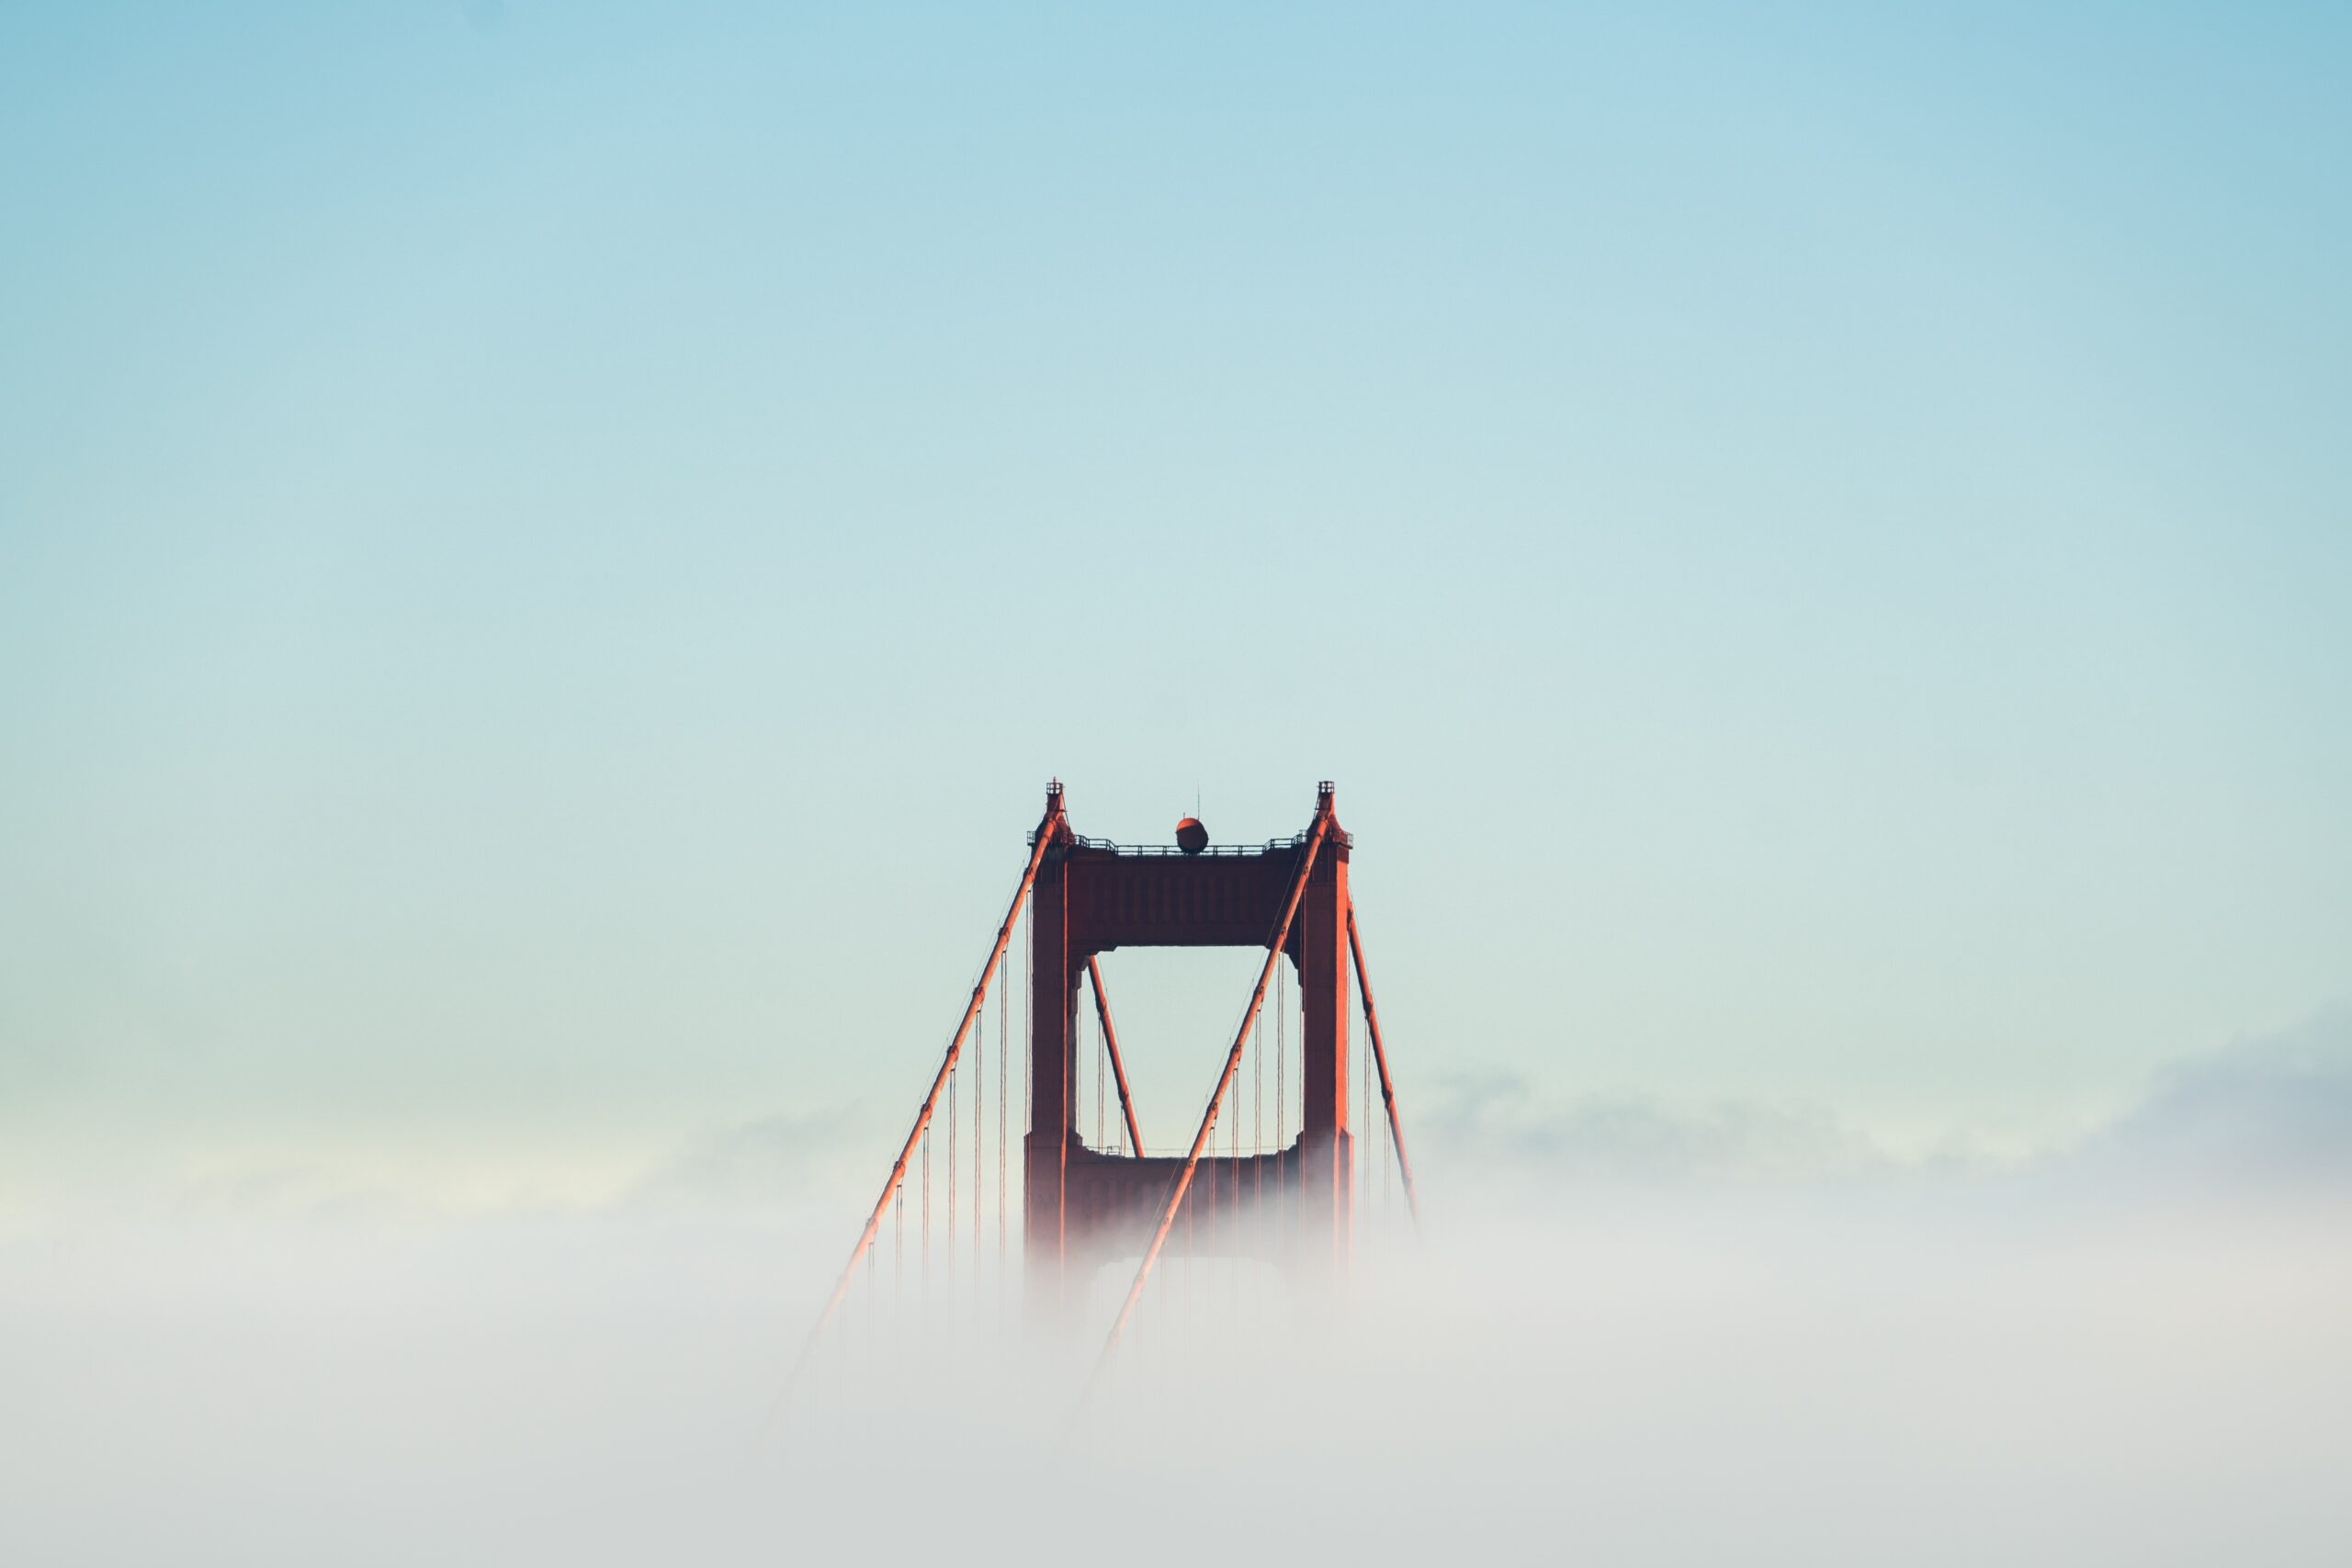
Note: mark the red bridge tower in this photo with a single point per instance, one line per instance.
(1084, 1206)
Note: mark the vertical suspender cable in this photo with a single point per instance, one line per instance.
(979, 1129)
(951, 1186)
(980, 1125)
(1240, 1203)
(1005, 1053)
(1363, 1098)
(1282, 1099)
(1028, 1058)
(1233, 1145)
(1257, 1114)
(1258, 1087)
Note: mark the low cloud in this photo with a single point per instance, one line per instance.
(772, 1158)
(1500, 1123)
(1756, 1369)
(2266, 1112)
(2269, 1112)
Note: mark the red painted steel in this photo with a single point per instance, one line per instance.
(1084, 1206)
(1380, 1060)
(1217, 1100)
(1111, 1048)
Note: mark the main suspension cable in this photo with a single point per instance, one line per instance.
(1380, 1061)
(1131, 1134)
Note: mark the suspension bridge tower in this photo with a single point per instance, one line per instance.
(1086, 1206)
(1082, 1205)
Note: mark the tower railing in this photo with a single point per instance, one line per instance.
(1295, 842)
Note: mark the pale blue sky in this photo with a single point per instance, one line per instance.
(547, 553)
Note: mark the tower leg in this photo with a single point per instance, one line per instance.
(1326, 1149)
(1053, 1065)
